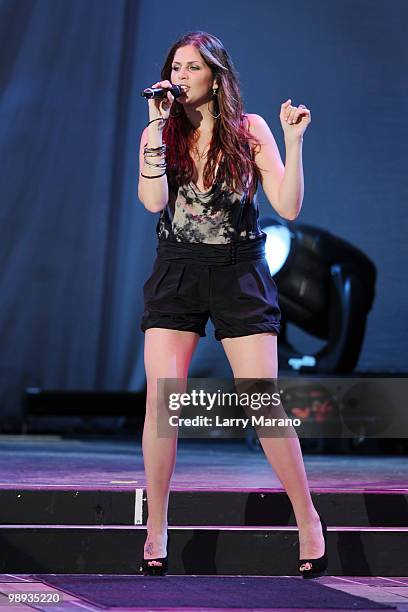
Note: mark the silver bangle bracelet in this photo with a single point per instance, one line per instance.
(153, 154)
(160, 148)
(161, 165)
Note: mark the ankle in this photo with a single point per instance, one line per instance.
(306, 521)
(156, 530)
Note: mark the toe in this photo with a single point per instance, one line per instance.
(305, 566)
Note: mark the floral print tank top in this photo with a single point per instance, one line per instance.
(216, 216)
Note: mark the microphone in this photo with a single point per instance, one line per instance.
(161, 92)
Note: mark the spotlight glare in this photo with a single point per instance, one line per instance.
(277, 246)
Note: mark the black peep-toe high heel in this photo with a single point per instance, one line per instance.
(155, 570)
(319, 565)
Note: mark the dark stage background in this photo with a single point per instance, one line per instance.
(77, 245)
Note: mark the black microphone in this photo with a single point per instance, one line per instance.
(161, 92)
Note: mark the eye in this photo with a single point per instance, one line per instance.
(175, 68)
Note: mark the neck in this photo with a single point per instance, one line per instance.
(200, 118)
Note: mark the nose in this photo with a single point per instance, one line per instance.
(182, 73)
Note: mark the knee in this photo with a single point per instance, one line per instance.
(156, 404)
(151, 401)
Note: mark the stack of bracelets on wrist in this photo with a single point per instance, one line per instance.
(155, 152)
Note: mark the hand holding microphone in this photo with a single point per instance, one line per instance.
(160, 92)
(160, 97)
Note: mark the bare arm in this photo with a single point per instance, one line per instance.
(154, 192)
(292, 187)
(282, 184)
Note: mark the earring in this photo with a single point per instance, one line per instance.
(215, 93)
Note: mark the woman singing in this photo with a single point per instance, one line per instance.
(201, 159)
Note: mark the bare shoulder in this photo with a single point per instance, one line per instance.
(263, 137)
(257, 125)
(252, 118)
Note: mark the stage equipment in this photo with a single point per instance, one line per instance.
(326, 288)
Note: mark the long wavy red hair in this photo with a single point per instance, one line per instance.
(231, 142)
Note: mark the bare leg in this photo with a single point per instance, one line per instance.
(255, 356)
(167, 355)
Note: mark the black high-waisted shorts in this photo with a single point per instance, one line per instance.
(230, 283)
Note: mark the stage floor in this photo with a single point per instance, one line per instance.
(47, 461)
(392, 593)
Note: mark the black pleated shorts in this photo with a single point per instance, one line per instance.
(229, 283)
